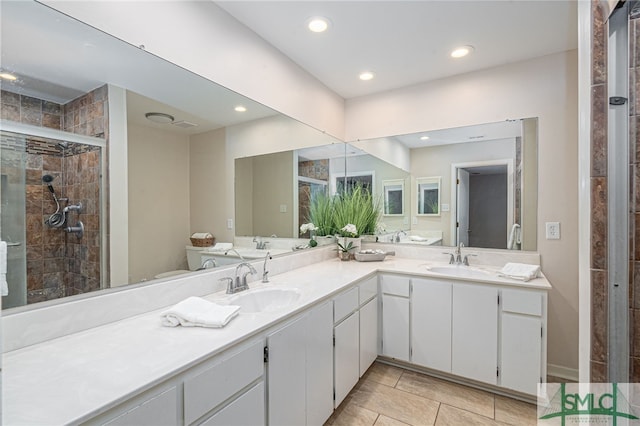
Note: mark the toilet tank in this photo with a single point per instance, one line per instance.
(193, 257)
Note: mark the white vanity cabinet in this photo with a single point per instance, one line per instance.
(368, 297)
(300, 369)
(474, 332)
(395, 291)
(522, 339)
(347, 343)
(160, 410)
(431, 302)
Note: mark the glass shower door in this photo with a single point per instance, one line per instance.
(12, 216)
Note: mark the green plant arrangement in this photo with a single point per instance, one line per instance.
(358, 208)
(321, 214)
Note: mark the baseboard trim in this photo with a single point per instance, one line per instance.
(563, 372)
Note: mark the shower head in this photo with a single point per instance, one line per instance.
(48, 179)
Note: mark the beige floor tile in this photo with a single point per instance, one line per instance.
(449, 393)
(394, 403)
(515, 412)
(452, 416)
(388, 421)
(349, 414)
(383, 373)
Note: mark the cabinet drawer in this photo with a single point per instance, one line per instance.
(368, 289)
(248, 409)
(522, 302)
(344, 304)
(159, 410)
(398, 286)
(214, 385)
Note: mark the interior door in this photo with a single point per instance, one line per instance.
(462, 209)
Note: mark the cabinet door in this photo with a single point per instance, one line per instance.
(346, 356)
(395, 327)
(368, 334)
(247, 410)
(431, 324)
(475, 332)
(320, 364)
(287, 374)
(520, 352)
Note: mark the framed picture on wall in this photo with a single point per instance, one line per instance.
(428, 189)
(393, 197)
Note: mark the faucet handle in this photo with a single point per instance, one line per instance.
(229, 281)
(452, 259)
(466, 258)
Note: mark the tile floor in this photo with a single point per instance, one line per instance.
(391, 396)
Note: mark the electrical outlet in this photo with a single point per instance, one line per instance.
(552, 230)
(229, 223)
(414, 221)
(283, 208)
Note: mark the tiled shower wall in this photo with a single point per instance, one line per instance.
(315, 169)
(599, 111)
(60, 264)
(599, 107)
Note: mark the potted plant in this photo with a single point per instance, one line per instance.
(311, 229)
(350, 241)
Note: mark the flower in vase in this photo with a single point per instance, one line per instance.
(307, 227)
(349, 230)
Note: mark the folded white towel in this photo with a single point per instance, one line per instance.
(221, 247)
(4, 288)
(520, 271)
(201, 235)
(197, 312)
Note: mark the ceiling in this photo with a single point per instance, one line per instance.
(408, 42)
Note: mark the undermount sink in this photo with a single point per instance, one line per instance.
(265, 299)
(459, 271)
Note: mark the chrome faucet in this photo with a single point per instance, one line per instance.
(456, 257)
(265, 273)
(396, 238)
(241, 283)
(260, 245)
(210, 261)
(236, 252)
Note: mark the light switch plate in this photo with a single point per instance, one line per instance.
(445, 207)
(283, 208)
(229, 223)
(415, 220)
(552, 230)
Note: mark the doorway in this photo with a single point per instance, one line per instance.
(483, 203)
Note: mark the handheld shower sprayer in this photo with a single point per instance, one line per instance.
(57, 219)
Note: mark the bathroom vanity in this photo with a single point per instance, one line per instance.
(291, 364)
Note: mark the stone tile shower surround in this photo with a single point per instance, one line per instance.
(599, 197)
(314, 169)
(58, 263)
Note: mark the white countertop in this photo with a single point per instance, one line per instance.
(72, 378)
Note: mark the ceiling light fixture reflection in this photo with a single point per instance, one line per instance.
(240, 108)
(159, 117)
(318, 24)
(424, 138)
(462, 51)
(366, 76)
(8, 76)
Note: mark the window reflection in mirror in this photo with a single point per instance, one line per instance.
(393, 197)
(428, 196)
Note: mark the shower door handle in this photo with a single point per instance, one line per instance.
(13, 244)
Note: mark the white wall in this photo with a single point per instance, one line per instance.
(546, 88)
(158, 201)
(201, 37)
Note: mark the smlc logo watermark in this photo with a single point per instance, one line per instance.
(615, 404)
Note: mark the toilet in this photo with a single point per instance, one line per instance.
(193, 260)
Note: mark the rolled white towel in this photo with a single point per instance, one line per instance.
(201, 235)
(4, 288)
(197, 312)
(520, 271)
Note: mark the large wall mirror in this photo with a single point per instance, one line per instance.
(82, 98)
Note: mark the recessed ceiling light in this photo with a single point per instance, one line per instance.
(8, 76)
(318, 24)
(240, 108)
(159, 117)
(462, 51)
(366, 75)
(424, 138)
